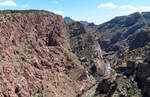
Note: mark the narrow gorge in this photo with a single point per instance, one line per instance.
(45, 55)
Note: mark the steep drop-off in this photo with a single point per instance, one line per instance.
(35, 57)
(115, 34)
(87, 49)
(125, 41)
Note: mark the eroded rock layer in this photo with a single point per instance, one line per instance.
(35, 59)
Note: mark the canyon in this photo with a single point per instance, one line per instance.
(42, 55)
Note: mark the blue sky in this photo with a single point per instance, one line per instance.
(97, 11)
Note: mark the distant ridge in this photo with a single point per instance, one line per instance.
(86, 23)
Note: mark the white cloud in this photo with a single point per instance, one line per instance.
(144, 8)
(8, 3)
(134, 9)
(25, 5)
(126, 8)
(56, 11)
(107, 5)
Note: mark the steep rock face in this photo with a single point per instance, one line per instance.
(136, 63)
(34, 56)
(68, 19)
(118, 86)
(126, 42)
(139, 39)
(86, 47)
(114, 34)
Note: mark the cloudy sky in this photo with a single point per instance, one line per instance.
(97, 11)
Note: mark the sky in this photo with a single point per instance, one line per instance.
(97, 11)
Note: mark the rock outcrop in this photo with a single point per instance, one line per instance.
(34, 57)
(125, 41)
(86, 47)
(115, 34)
(137, 65)
(118, 86)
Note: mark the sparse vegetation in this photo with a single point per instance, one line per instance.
(57, 61)
(21, 11)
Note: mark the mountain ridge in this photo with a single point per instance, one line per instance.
(36, 59)
(120, 28)
(86, 23)
(41, 55)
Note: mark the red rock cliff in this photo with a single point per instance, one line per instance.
(34, 57)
